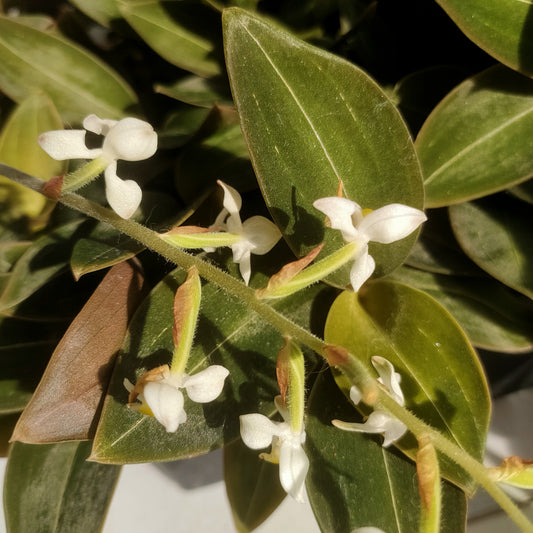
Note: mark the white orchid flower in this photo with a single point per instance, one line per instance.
(384, 225)
(258, 234)
(379, 421)
(129, 139)
(160, 395)
(258, 431)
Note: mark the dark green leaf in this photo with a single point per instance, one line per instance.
(77, 82)
(474, 142)
(252, 486)
(194, 90)
(184, 33)
(496, 234)
(103, 11)
(503, 29)
(51, 488)
(493, 317)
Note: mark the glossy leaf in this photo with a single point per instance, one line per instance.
(195, 90)
(496, 234)
(23, 358)
(252, 486)
(437, 249)
(103, 11)
(524, 191)
(442, 379)
(503, 29)
(7, 423)
(315, 120)
(77, 82)
(354, 482)
(180, 32)
(66, 404)
(45, 259)
(10, 253)
(493, 317)
(19, 149)
(474, 142)
(53, 489)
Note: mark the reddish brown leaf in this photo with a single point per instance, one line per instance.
(67, 401)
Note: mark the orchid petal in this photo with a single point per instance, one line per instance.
(362, 269)
(340, 212)
(377, 422)
(98, 125)
(241, 255)
(232, 199)
(124, 196)
(391, 223)
(261, 233)
(130, 139)
(389, 378)
(206, 386)
(293, 467)
(257, 431)
(66, 144)
(166, 403)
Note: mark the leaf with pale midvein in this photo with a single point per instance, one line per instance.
(311, 119)
(496, 234)
(474, 143)
(354, 482)
(228, 334)
(442, 379)
(503, 29)
(77, 82)
(52, 488)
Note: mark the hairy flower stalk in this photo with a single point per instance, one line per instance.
(287, 437)
(129, 139)
(158, 390)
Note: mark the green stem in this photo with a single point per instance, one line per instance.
(84, 174)
(459, 456)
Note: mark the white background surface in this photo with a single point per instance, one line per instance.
(187, 496)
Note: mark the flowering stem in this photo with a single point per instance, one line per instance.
(285, 326)
(444, 445)
(84, 175)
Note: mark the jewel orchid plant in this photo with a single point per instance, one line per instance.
(285, 102)
(129, 139)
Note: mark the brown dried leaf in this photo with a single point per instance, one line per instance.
(67, 401)
(283, 369)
